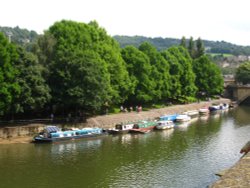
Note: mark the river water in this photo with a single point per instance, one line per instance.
(187, 156)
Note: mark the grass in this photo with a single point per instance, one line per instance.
(219, 54)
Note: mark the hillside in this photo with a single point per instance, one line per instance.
(228, 64)
(20, 36)
(25, 38)
(220, 47)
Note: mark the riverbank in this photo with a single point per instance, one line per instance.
(237, 176)
(109, 121)
(24, 134)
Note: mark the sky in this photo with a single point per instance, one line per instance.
(217, 20)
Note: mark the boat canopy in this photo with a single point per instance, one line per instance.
(52, 129)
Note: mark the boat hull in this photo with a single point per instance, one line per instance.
(142, 130)
(38, 139)
(183, 118)
(118, 131)
(203, 111)
(161, 125)
(55, 134)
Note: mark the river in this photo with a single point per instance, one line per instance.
(187, 156)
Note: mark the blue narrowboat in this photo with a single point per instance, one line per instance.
(54, 133)
(171, 117)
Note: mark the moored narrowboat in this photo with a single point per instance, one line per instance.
(171, 117)
(121, 128)
(54, 134)
(161, 125)
(143, 127)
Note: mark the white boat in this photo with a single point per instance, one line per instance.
(192, 113)
(224, 106)
(164, 125)
(183, 118)
(121, 128)
(203, 110)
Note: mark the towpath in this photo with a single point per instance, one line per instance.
(108, 121)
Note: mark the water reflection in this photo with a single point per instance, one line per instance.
(169, 158)
(204, 118)
(241, 115)
(184, 125)
(166, 134)
(73, 146)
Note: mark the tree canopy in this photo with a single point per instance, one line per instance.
(77, 67)
(243, 73)
(86, 69)
(209, 79)
(8, 84)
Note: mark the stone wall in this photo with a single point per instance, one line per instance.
(20, 131)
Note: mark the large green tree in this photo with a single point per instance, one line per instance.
(35, 93)
(209, 79)
(139, 68)
(86, 70)
(175, 72)
(200, 49)
(160, 71)
(243, 73)
(183, 42)
(187, 76)
(110, 51)
(8, 84)
(191, 47)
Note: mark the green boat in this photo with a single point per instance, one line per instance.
(143, 127)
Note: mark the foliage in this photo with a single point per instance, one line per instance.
(110, 52)
(191, 47)
(86, 70)
(209, 79)
(243, 73)
(187, 76)
(8, 84)
(175, 72)
(183, 42)
(160, 71)
(34, 92)
(161, 44)
(139, 68)
(22, 37)
(200, 49)
(76, 67)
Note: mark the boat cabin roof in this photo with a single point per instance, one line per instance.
(51, 129)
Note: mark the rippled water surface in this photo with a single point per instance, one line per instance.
(187, 156)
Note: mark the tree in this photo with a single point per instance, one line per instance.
(160, 71)
(191, 47)
(175, 72)
(139, 68)
(86, 70)
(8, 84)
(34, 93)
(183, 42)
(243, 73)
(200, 50)
(187, 76)
(109, 50)
(209, 79)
